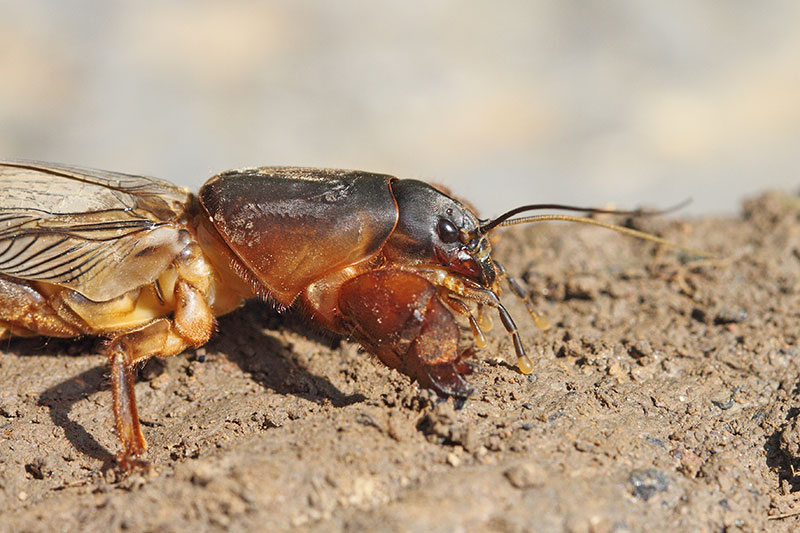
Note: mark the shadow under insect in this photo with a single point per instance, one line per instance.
(243, 339)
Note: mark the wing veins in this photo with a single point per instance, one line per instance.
(55, 171)
(68, 213)
(24, 249)
(10, 244)
(90, 268)
(93, 252)
(49, 259)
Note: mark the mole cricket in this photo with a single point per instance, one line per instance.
(396, 264)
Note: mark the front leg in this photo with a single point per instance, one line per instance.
(398, 316)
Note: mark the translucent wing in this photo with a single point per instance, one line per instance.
(98, 233)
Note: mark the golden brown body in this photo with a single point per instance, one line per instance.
(394, 263)
(154, 295)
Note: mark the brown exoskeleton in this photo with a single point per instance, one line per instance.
(396, 264)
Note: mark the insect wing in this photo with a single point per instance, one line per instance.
(99, 233)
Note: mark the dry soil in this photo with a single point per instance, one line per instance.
(665, 396)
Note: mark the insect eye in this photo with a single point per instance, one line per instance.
(447, 231)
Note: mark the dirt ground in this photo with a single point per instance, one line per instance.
(665, 396)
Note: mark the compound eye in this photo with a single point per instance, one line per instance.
(447, 231)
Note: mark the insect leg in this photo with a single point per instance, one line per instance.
(399, 317)
(193, 319)
(126, 417)
(157, 339)
(25, 311)
(461, 308)
(538, 319)
(523, 361)
(484, 296)
(191, 325)
(484, 320)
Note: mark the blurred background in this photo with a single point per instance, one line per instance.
(623, 102)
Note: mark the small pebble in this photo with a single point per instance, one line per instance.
(646, 483)
(615, 370)
(160, 381)
(526, 476)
